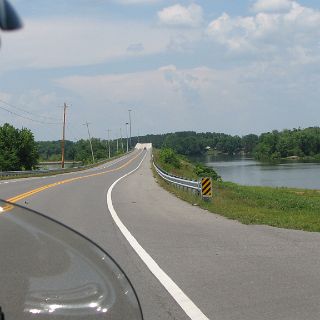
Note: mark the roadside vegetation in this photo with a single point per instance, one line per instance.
(18, 150)
(179, 165)
(279, 207)
(78, 151)
(296, 143)
(303, 144)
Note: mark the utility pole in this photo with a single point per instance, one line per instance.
(63, 134)
(127, 136)
(121, 139)
(87, 124)
(109, 143)
(130, 126)
(117, 145)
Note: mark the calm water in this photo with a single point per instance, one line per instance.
(58, 166)
(247, 171)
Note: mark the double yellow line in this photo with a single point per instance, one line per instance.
(51, 185)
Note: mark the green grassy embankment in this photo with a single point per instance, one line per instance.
(279, 207)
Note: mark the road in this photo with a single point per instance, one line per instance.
(225, 269)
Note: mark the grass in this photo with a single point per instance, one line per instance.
(279, 207)
(186, 169)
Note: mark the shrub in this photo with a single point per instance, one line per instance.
(204, 171)
(169, 157)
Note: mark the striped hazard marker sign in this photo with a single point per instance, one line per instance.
(206, 187)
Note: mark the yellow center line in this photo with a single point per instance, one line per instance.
(51, 185)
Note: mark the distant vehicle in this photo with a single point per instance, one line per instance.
(48, 270)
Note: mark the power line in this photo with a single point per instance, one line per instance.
(74, 136)
(27, 118)
(23, 110)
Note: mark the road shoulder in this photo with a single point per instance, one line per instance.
(229, 270)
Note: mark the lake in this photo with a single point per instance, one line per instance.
(247, 171)
(56, 165)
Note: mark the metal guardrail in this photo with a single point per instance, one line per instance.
(65, 170)
(19, 173)
(37, 172)
(189, 184)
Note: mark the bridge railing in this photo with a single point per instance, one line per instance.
(191, 185)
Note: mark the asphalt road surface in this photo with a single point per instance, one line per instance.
(227, 270)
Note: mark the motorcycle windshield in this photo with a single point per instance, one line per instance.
(50, 271)
(9, 20)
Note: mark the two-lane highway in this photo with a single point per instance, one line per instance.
(184, 262)
(79, 201)
(18, 189)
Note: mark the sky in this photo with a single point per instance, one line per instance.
(229, 66)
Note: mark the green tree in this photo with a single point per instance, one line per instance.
(27, 150)
(169, 157)
(18, 149)
(249, 142)
(205, 171)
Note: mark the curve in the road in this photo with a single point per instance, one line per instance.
(51, 185)
(179, 296)
(106, 165)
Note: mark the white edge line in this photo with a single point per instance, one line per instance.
(181, 298)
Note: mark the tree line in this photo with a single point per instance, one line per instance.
(79, 150)
(19, 150)
(301, 143)
(192, 143)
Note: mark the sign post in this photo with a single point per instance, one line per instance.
(206, 188)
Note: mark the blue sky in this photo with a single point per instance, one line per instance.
(220, 65)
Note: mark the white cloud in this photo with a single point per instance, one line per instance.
(273, 5)
(126, 2)
(39, 105)
(269, 34)
(158, 96)
(169, 99)
(71, 42)
(67, 42)
(166, 99)
(135, 47)
(179, 15)
(137, 1)
(5, 96)
(275, 64)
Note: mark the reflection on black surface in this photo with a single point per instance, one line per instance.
(48, 270)
(83, 300)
